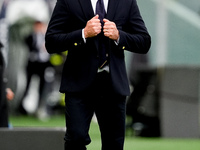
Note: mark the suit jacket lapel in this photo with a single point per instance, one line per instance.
(87, 9)
(111, 9)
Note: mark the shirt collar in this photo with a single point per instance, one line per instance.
(94, 4)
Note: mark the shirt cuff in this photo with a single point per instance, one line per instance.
(83, 36)
(117, 42)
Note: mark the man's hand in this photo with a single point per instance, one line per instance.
(9, 94)
(93, 27)
(110, 30)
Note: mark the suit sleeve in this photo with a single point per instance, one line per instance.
(60, 36)
(134, 36)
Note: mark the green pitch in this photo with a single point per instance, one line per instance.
(131, 142)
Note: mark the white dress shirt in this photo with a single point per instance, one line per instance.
(94, 5)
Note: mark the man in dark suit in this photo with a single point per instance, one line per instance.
(85, 29)
(3, 102)
(38, 62)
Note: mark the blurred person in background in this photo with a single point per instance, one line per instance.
(94, 77)
(142, 105)
(5, 93)
(38, 62)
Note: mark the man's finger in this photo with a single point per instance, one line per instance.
(106, 20)
(96, 17)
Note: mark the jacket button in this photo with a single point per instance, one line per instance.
(123, 47)
(75, 44)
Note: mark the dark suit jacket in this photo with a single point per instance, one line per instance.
(65, 33)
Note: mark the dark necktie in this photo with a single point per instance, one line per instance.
(100, 10)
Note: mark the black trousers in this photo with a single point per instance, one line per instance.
(109, 108)
(34, 68)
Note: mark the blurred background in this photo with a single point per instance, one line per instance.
(165, 91)
(31, 72)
